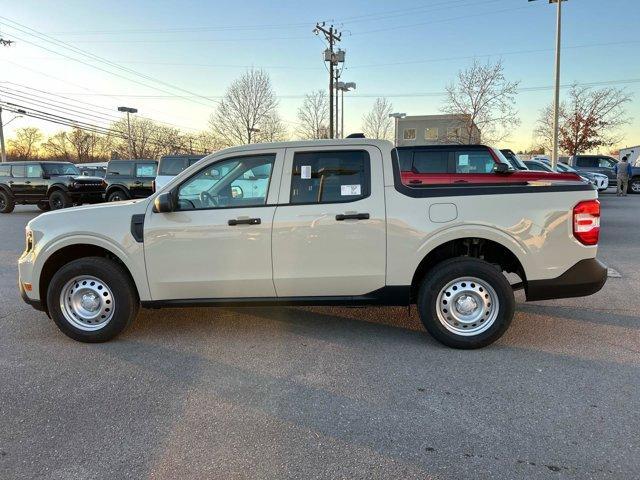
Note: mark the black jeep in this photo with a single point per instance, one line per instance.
(130, 179)
(49, 185)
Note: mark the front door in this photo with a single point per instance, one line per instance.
(329, 231)
(217, 244)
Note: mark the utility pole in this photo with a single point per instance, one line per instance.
(3, 152)
(332, 36)
(129, 110)
(556, 94)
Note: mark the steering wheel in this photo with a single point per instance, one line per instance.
(208, 200)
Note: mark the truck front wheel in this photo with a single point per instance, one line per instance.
(466, 303)
(92, 299)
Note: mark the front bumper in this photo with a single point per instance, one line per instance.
(585, 278)
(37, 304)
(86, 197)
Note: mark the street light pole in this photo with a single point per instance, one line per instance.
(556, 101)
(396, 117)
(128, 111)
(343, 87)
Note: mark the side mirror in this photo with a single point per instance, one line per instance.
(501, 168)
(163, 203)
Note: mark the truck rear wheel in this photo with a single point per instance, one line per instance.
(634, 185)
(466, 303)
(92, 299)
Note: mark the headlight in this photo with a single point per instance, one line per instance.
(28, 240)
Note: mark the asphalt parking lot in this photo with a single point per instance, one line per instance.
(327, 392)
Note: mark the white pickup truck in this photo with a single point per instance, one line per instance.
(317, 223)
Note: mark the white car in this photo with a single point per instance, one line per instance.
(318, 223)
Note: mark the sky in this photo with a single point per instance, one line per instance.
(405, 50)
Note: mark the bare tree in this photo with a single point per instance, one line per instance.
(272, 129)
(376, 123)
(482, 98)
(247, 102)
(588, 119)
(26, 143)
(313, 116)
(149, 139)
(57, 147)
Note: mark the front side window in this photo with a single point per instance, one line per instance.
(234, 182)
(409, 134)
(474, 161)
(431, 133)
(120, 169)
(146, 170)
(53, 169)
(330, 177)
(34, 171)
(606, 163)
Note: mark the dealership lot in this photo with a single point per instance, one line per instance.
(327, 392)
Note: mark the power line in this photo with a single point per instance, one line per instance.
(92, 57)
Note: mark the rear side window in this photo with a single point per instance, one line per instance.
(474, 161)
(17, 171)
(586, 162)
(121, 169)
(147, 170)
(5, 170)
(172, 166)
(330, 177)
(430, 162)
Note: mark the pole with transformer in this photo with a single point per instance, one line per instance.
(556, 94)
(3, 152)
(332, 36)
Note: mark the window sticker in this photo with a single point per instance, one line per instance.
(463, 160)
(347, 190)
(305, 172)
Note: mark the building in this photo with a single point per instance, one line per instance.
(633, 155)
(436, 129)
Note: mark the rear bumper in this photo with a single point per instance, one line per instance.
(585, 278)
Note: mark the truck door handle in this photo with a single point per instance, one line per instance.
(352, 216)
(137, 182)
(27, 182)
(244, 221)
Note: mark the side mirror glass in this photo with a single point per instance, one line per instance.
(501, 168)
(163, 203)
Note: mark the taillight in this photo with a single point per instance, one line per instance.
(586, 222)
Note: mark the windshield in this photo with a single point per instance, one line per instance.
(563, 167)
(537, 166)
(512, 159)
(60, 169)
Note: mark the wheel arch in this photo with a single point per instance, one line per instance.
(69, 252)
(117, 186)
(472, 246)
(56, 187)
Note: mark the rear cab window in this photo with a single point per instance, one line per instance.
(330, 177)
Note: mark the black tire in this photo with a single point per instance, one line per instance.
(117, 196)
(443, 275)
(125, 298)
(59, 200)
(44, 206)
(7, 204)
(634, 185)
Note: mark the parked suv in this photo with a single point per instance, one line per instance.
(49, 185)
(130, 179)
(172, 165)
(326, 222)
(605, 165)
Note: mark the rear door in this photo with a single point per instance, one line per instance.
(145, 174)
(18, 182)
(36, 185)
(329, 230)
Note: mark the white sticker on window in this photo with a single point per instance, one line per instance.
(463, 160)
(305, 172)
(346, 190)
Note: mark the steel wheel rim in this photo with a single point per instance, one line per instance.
(87, 303)
(467, 306)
